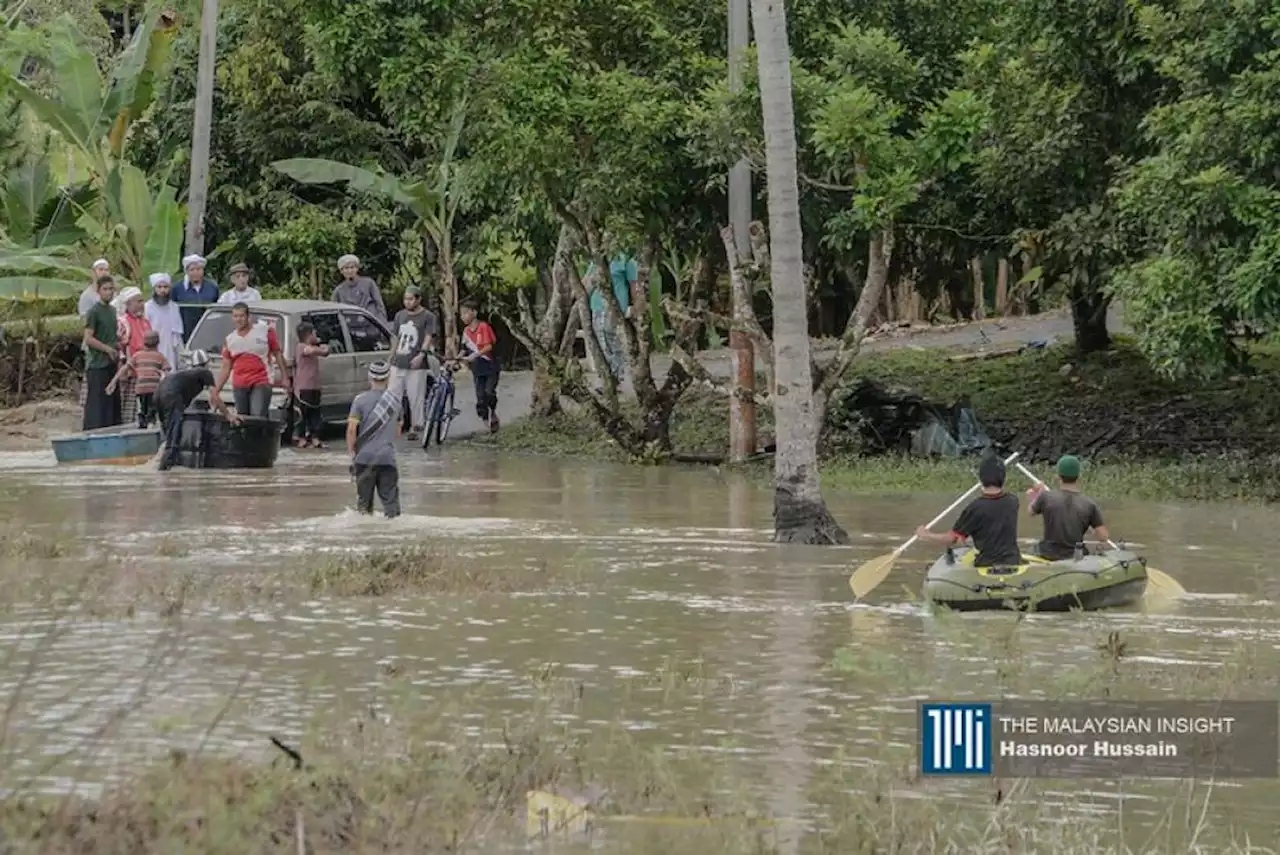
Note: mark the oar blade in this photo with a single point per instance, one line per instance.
(1161, 584)
(869, 576)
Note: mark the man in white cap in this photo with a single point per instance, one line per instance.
(357, 290)
(195, 292)
(240, 291)
(89, 296)
(372, 428)
(88, 299)
(165, 317)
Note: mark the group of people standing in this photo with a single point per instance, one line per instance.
(131, 343)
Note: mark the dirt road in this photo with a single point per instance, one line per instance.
(31, 426)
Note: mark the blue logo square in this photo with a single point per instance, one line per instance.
(955, 739)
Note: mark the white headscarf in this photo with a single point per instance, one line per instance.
(102, 263)
(157, 278)
(348, 259)
(191, 260)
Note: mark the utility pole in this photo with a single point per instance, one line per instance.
(742, 407)
(198, 189)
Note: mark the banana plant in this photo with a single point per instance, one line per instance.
(89, 111)
(92, 113)
(39, 235)
(434, 202)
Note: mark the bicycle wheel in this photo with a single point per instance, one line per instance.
(433, 409)
(446, 416)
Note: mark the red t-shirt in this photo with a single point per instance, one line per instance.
(481, 336)
(248, 355)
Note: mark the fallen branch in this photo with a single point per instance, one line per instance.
(700, 374)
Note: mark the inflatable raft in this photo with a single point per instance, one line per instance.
(1096, 581)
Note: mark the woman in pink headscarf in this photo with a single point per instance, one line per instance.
(131, 326)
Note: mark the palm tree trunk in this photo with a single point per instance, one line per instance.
(800, 514)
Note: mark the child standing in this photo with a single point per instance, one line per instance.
(372, 429)
(478, 340)
(147, 367)
(306, 384)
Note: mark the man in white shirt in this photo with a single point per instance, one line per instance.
(165, 318)
(240, 291)
(89, 297)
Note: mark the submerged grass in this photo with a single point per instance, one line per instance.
(405, 776)
(1151, 439)
(108, 585)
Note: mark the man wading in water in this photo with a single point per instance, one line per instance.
(990, 521)
(1068, 514)
(372, 429)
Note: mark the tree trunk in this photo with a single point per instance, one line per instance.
(1089, 317)
(448, 298)
(1002, 287)
(556, 328)
(800, 514)
(979, 289)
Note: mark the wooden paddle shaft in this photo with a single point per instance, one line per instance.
(940, 517)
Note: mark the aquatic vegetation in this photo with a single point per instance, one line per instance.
(416, 568)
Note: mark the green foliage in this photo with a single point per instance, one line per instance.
(1205, 201)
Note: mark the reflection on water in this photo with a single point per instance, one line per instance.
(674, 565)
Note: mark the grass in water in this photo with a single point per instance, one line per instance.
(408, 776)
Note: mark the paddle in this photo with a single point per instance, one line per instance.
(1157, 580)
(869, 576)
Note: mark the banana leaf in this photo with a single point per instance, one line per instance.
(39, 288)
(314, 170)
(163, 248)
(133, 83)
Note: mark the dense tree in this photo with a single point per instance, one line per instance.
(1205, 202)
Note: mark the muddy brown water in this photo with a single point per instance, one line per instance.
(672, 565)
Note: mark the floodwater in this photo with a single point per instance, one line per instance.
(670, 566)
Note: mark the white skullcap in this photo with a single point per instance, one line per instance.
(102, 262)
(348, 259)
(157, 278)
(125, 296)
(192, 259)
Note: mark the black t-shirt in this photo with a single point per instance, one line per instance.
(991, 522)
(184, 386)
(1068, 516)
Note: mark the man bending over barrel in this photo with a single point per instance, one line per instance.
(172, 397)
(990, 521)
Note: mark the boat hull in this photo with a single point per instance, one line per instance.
(112, 446)
(1109, 579)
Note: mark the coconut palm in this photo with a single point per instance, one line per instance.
(800, 514)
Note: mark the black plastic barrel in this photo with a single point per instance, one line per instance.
(211, 442)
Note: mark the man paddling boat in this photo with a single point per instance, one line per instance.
(990, 521)
(1068, 514)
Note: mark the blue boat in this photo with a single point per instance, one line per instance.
(110, 446)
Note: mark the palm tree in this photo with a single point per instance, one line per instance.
(800, 514)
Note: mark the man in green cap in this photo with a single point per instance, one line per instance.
(1068, 514)
(416, 331)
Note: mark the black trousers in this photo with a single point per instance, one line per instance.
(385, 480)
(146, 409)
(312, 422)
(486, 394)
(171, 410)
(100, 409)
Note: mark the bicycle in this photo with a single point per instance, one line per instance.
(439, 406)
